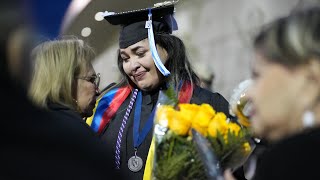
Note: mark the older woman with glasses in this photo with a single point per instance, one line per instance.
(63, 78)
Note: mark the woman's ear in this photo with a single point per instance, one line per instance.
(312, 86)
(313, 68)
(307, 80)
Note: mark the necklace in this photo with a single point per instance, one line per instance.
(135, 163)
(123, 124)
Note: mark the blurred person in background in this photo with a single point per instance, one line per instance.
(45, 19)
(205, 74)
(285, 96)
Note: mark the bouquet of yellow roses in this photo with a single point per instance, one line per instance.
(176, 155)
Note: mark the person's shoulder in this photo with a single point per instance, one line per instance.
(205, 93)
(63, 111)
(306, 144)
(215, 99)
(291, 158)
(107, 89)
(309, 139)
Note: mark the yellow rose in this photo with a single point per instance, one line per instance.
(204, 115)
(234, 128)
(218, 123)
(189, 110)
(246, 147)
(200, 129)
(189, 107)
(179, 124)
(221, 117)
(164, 114)
(207, 108)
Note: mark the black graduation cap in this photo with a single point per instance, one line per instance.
(133, 22)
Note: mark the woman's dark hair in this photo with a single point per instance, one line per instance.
(178, 63)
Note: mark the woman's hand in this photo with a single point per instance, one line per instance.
(228, 175)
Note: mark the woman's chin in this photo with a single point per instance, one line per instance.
(145, 87)
(87, 114)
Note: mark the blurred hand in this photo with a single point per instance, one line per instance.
(228, 175)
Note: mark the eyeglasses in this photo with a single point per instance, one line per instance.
(95, 79)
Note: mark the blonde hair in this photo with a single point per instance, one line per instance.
(292, 40)
(57, 63)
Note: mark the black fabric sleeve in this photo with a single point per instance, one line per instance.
(216, 100)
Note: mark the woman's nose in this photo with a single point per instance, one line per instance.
(135, 65)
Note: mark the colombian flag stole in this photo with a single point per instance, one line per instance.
(107, 106)
(109, 103)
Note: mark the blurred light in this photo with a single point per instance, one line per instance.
(85, 32)
(99, 16)
(75, 8)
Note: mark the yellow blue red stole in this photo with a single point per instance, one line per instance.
(108, 104)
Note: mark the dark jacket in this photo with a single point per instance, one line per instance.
(296, 157)
(37, 144)
(63, 112)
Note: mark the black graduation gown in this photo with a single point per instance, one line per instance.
(296, 157)
(109, 135)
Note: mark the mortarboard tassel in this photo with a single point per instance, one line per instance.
(153, 49)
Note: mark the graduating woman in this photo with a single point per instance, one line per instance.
(150, 59)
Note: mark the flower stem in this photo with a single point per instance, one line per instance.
(171, 146)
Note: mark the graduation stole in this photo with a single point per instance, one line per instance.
(109, 103)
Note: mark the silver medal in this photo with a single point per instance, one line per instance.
(135, 163)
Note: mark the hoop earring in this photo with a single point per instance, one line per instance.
(308, 119)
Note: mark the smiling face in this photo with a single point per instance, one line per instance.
(139, 66)
(277, 94)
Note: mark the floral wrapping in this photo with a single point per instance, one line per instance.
(176, 156)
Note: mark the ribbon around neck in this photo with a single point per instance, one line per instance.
(138, 137)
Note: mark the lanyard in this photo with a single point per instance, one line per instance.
(138, 137)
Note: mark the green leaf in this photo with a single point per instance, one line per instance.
(171, 96)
